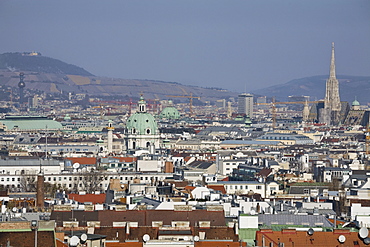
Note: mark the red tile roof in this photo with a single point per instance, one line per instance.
(215, 243)
(189, 188)
(220, 188)
(82, 160)
(291, 237)
(124, 244)
(93, 198)
(60, 243)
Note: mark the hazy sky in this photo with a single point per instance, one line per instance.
(239, 45)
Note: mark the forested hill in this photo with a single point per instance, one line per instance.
(35, 62)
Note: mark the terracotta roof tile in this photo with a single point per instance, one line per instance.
(220, 188)
(82, 160)
(189, 188)
(60, 243)
(93, 198)
(124, 244)
(126, 159)
(216, 243)
(302, 239)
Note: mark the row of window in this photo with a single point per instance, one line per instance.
(49, 179)
(8, 179)
(241, 187)
(122, 165)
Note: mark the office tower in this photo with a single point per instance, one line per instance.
(245, 104)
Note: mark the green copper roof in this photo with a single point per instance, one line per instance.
(170, 112)
(355, 103)
(30, 123)
(142, 123)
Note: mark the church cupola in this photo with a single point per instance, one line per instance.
(142, 104)
(355, 105)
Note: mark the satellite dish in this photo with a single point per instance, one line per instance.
(146, 237)
(367, 241)
(253, 212)
(342, 239)
(73, 241)
(310, 231)
(186, 238)
(364, 232)
(76, 165)
(196, 238)
(84, 237)
(14, 209)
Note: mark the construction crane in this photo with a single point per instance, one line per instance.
(190, 97)
(273, 107)
(113, 103)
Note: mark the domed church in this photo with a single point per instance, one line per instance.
(142, 129)
(170, 112)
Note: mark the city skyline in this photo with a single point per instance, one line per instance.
(240, 46)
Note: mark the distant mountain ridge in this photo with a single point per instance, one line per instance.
(34, 61)
(50, 75)
(350, 87)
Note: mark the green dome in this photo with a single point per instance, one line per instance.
(142, 123)
(170, 112)
(355, 103)
(248, 121)
(239, 118)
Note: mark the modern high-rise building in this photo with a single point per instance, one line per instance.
(245, 104)
(331, 114)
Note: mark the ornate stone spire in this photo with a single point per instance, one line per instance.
(332, 104)
(332, 63)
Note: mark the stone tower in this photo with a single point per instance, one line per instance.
(332, 105)
(110, 129)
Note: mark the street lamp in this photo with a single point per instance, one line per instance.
(34, 226)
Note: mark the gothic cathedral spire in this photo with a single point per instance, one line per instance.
(332, 100)
(332, 62)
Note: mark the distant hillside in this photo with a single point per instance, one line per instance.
(314, 86)
(49, 75)
(33, 61)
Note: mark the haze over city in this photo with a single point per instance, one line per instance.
(237, 45)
